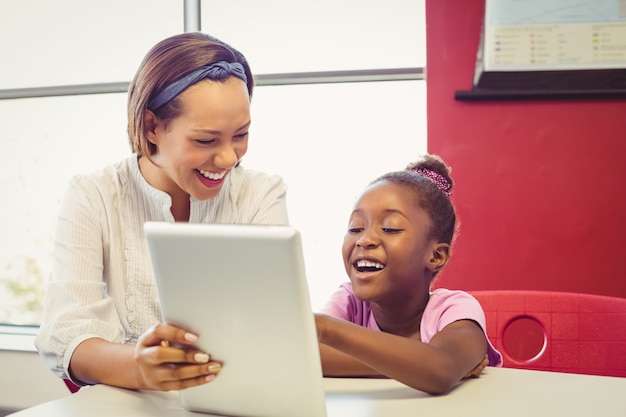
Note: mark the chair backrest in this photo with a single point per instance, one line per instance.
(557, 331)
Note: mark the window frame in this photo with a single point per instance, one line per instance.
(21, 337)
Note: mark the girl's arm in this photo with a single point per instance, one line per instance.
(434, 367)
(337, 363)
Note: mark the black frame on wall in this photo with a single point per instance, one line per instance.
(570, 84)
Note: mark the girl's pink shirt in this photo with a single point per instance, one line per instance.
(444, 307)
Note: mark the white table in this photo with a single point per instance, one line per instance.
(498, 392)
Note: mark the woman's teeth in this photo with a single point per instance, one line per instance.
(212, 175)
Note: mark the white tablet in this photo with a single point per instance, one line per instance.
(243, 289)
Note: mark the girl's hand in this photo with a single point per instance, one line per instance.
(168, 359)
(475, 373)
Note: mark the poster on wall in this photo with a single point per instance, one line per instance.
(552, 46)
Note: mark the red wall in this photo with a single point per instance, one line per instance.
(540, 185)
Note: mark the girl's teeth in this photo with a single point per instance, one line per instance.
(368, 264)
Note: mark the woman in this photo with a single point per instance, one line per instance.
(188, 121)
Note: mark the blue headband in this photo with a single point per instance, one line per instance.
(216, 71)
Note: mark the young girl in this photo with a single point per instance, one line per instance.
(386, 321)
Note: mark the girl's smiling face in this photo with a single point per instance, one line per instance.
(197, 149)
(386, 251)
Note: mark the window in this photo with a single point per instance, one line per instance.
(327, 139)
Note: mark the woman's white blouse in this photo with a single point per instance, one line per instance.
(102, 283)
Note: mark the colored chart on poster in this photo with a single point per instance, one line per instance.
(543, 35)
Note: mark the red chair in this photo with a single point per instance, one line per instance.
(557, 331)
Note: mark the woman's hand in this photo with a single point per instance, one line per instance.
(168, 359)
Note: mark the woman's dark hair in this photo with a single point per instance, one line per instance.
(167, 61)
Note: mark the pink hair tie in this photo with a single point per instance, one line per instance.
(439, 180)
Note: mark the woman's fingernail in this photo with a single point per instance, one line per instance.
(210, 378)
(215, 367)
(190, 337)
(201, 357)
